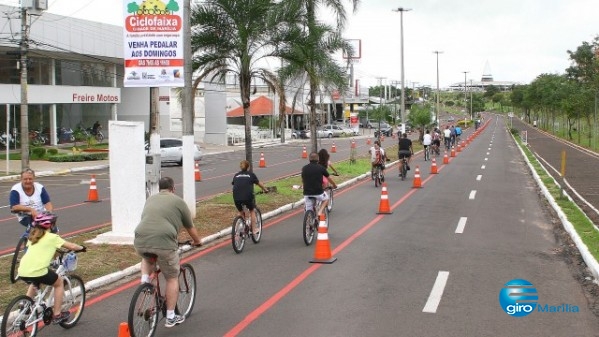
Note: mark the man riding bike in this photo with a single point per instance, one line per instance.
(405, 150)
(377, 157)
(29, 198)
(312, 175)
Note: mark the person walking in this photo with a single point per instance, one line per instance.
(243, 191)
(163, 216)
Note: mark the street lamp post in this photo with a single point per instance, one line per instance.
(471, 111)
(438, 104)
(465, 91)
(403, 95)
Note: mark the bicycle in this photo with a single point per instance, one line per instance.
(427, 153)
(403, 169)
(149, 301)
(21, 248)
(378, 175)
(435, 150)
(24, 316)
(311, 221)
(329, 191)
(242, 228)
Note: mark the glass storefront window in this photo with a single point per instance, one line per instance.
(84, 73)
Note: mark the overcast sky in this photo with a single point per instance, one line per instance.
(520, 39)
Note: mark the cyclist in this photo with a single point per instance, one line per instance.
(164, 214)
(29, 198)
(447, 137)
(324, 160)
(436, 140)
(377, 157)
(427, 140)
(312, 177)
(33, 269)
(405, 150)
(243, 191)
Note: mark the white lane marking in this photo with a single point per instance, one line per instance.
(435, 296)
(461, 225)
(488, 153)
(482, 167)
(472, 194)
(479, 177)
(489, 149)
(486, 159)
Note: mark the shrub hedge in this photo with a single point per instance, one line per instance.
(62, 158)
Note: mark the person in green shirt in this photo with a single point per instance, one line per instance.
(34, 267)
(163, 216)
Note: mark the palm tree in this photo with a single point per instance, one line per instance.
(312, 53)
(239, 37)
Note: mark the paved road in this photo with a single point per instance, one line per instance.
(581, 164)
(432, 268)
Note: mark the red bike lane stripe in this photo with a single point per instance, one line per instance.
(269, 303)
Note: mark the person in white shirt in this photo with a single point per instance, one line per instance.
(427, 140)
(447, 136)
(377, 157)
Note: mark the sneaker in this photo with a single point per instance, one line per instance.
(171, 322)
(408, 167)
(61, 318)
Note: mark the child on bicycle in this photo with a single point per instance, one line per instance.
(377, 157)
(324, 160)
(34, 267)
(243, 191)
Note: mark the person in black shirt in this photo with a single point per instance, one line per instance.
(312, 176)
(243, 190)
(405, 149)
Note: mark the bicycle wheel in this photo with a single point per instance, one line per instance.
(257, 226)
(16, 318)
(74, 299)
(427, 155)
(377, 177)
(143, 311)
(310, 227)
(237, 234)
(329, 190)
(16, 259)
(404, 170)
(187, 290)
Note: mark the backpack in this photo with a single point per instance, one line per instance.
(379, 157)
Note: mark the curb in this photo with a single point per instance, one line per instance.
(588, 258)
(113, 277)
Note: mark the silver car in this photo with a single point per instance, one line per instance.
(329, 131)
(171, 151)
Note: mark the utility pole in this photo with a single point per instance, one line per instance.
(187, 114)
(465, 90)
(438, 102)
(471, 111)
(378, 137)
(403, 95)
(24, 99)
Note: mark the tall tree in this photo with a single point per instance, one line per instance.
(239, 37)
(318, 43)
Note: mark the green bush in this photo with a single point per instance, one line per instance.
(37, 152)
(515, 132)
(52, 152)
(63, 158)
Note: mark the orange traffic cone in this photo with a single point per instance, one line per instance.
(434, 167)
(322, 251)
(452, 152)
(124, 330)
(262, 161)
(92, 196)
(304, 153)
(458, 147)
(333, 148)
(417, 181)
(368, 141)
(445, 158)
(384, 207)
(198, 175)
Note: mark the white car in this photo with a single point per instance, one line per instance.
(171, 151)
(329, 131)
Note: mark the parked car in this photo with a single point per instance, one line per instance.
(373, 124)
(300, 134)
(385, 130)
(450, 119)
(171, 151)
(330, 131)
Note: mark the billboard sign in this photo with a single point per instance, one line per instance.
(153, 36)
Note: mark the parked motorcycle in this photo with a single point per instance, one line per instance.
(36, 138)
(65, 135)
(7, 140)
